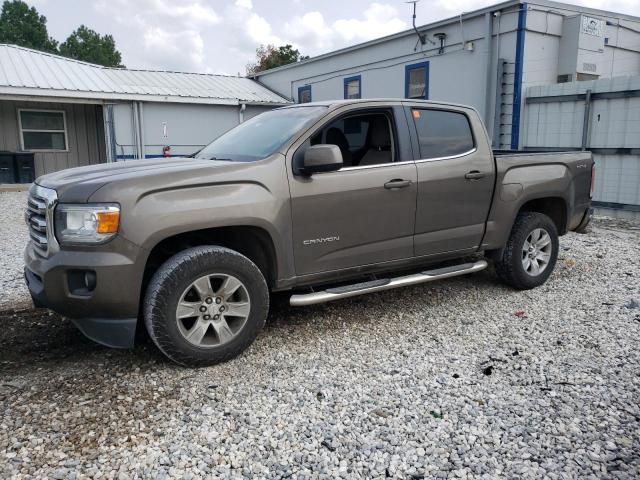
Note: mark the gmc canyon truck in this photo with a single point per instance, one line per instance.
(329, 200)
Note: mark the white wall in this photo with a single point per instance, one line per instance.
(615, 123)
(541, 58)
(457, 75)
(188, 127)
(621, 54)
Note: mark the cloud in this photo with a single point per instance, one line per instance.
(170, 31)
(313, 34)
(191, 13)
(379, 20)
(183, 51)
(260, 31)
(245, 4)
(310, 30)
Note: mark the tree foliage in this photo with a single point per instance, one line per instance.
(89, 46)
(24, 26)
(268, 56)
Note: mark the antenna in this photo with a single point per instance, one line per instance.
(422, 37)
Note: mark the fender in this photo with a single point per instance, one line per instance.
(520, 185)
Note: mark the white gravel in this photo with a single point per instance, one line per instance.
(13, 238)
(464, 378)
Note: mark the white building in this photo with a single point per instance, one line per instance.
(58, 113)
(485, 58)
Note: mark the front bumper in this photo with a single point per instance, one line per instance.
(106, 313)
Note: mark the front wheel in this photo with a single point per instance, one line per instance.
(205, 305)
(531, 252)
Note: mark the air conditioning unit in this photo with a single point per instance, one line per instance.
(581, 53)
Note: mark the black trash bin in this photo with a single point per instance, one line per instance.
(24, 168)
(7, 168)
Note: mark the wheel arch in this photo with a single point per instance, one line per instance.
(253, 242)
(553, 207)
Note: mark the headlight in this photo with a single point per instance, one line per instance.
(86, 224)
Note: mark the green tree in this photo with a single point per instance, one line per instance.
(86, 45)
(24, 26)
(268, 56)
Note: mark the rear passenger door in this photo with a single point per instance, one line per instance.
(455, 179)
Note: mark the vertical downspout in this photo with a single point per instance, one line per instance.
(107, 119)
(243, 107)
(586, 121)
(107, 132)
(517, 82)
(141, 127)
(135, 131)
(488, 18)
(497, 116)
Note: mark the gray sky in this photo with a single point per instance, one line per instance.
(220, 36)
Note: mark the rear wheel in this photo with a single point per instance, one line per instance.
(205, 305)
(531, 252)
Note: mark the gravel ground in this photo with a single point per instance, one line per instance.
(13, 237)
(457, 379)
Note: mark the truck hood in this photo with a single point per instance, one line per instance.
(76, 185)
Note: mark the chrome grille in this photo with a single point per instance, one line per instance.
(39, 218)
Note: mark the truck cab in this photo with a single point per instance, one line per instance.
(328, 200)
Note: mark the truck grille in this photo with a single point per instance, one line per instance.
(39, 218)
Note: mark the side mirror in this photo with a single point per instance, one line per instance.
(322, 158)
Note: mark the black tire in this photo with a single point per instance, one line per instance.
(177, 274)
(510, 268)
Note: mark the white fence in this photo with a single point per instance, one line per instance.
(602, 116)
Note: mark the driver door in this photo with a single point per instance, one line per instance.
(363, 213)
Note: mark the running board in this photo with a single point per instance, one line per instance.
(385, 284)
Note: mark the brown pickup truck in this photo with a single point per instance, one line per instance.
(327, 200)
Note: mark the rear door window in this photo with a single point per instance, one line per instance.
(442, 133)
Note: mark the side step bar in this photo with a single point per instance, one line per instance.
(385, 284)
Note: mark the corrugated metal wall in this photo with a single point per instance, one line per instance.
(554, 118)
(186, 128)
(85, 134)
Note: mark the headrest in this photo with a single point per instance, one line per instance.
(336, 137)
(379, 132)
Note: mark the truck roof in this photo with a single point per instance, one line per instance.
(338, 103)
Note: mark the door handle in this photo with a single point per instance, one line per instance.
(474, 175)
(397, 183)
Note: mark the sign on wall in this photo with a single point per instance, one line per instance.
(592, 26)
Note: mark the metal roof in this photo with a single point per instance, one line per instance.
(29, 72)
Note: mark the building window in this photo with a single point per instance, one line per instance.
(43, 130)
(352, 87)
(416, 81)
(442, 133)
(304, 94)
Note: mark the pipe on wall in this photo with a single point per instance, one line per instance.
(243, 107)
(137, 130)
(141, 127)
(134, 129)
(488, 36)
(109, 132)
(497, 116)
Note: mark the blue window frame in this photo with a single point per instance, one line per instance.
(353, 87)
(416, 80)
(304, 94)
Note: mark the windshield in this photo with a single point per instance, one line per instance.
(260, 136)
